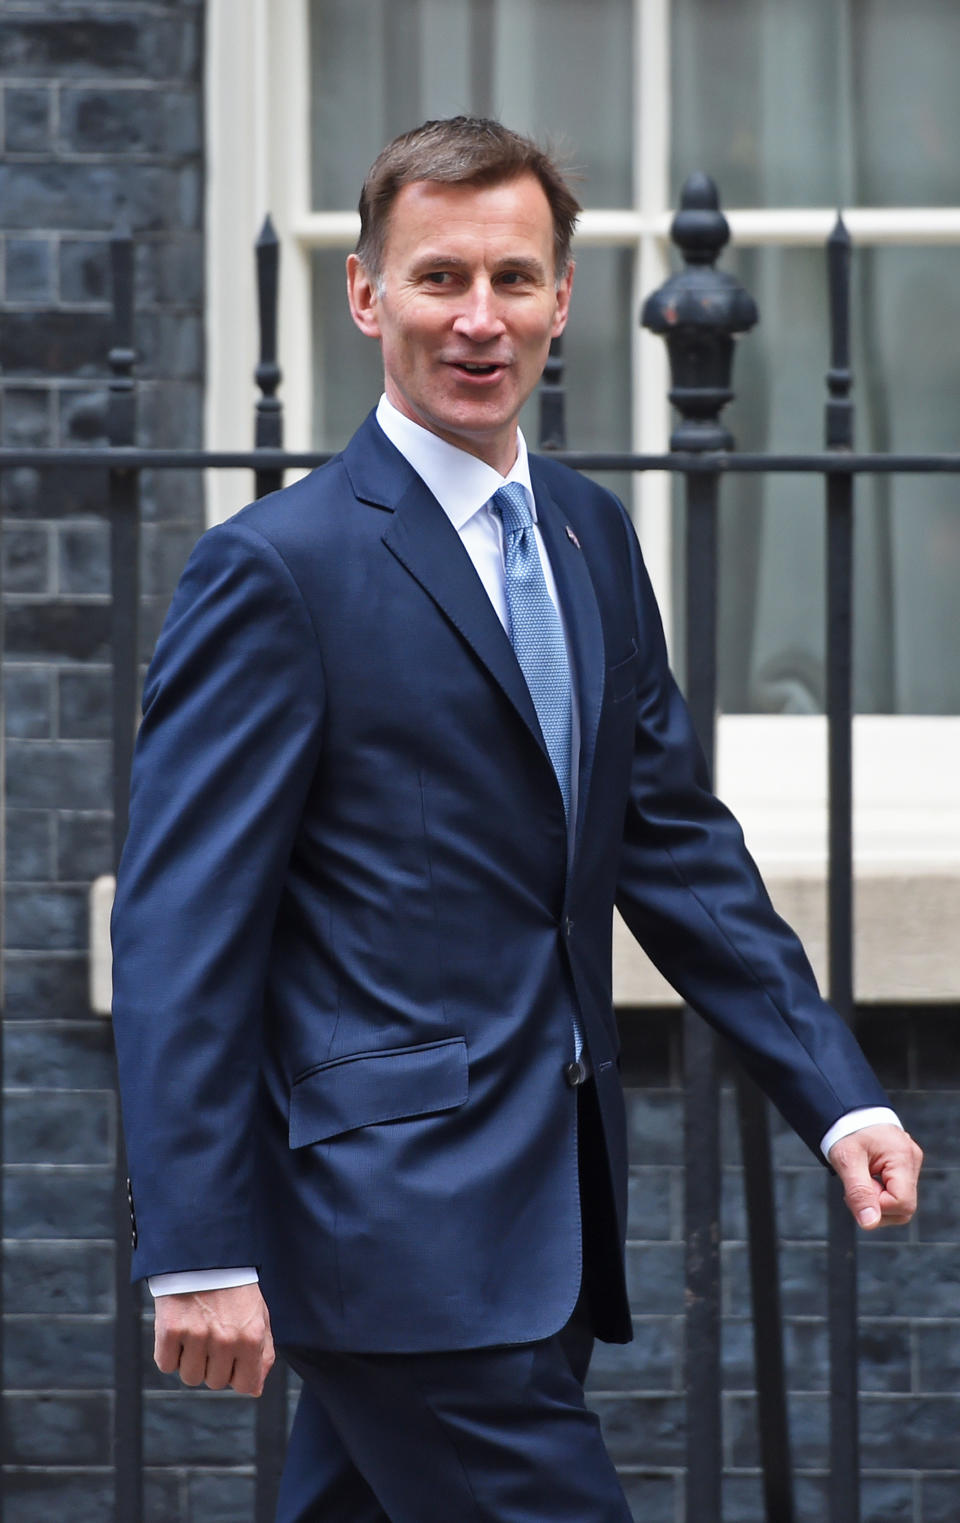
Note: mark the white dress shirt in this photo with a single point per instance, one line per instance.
(463, 486)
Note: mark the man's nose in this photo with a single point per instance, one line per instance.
(479, 317)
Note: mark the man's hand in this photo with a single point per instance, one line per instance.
(221, 1337)
(878, 1167)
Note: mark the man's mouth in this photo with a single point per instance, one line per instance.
(478, 367)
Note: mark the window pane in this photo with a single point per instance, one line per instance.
(818, 102)
(379, 67)
(907, 528)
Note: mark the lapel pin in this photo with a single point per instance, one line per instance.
(571, 536)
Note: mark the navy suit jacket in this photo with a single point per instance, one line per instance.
(351, 934)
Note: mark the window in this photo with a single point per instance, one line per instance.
(794, 110)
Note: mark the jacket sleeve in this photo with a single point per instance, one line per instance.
(226, 753)
(691, 894)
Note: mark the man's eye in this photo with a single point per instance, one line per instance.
(437, 277)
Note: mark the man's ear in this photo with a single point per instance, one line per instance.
(563, 302)
(363, 298)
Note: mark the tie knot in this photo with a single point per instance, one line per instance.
(511, 503)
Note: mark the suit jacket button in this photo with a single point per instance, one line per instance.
(575, 1073)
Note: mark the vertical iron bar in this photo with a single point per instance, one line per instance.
(842, 1250)
(702, 1106)
(553, 419)
(268, 424)
(3, 1002)
(123, 507)
(271, 1422)
(772, 1416)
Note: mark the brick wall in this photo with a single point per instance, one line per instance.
(100, 101)
(910, 1310)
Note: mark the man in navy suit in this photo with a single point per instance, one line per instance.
(363, 921)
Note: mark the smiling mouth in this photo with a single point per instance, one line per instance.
(478, 368)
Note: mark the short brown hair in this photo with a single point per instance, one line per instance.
(460, 150)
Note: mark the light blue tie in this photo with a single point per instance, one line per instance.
(535, 629)
(537, 636)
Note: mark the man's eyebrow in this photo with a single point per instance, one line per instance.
(526, 264)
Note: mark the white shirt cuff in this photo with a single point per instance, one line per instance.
(185, 1281)
(854, 1121)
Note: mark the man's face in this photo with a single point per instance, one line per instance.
(467, 308)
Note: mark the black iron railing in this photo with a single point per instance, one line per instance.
(699, 313)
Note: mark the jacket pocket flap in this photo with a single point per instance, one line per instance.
(368, 1087)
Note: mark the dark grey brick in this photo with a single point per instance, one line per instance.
(655, 1120)
(84, 558)
(51, 1429)
(171, 412)
(802, 1280)
(46, 987)
(84, 846)
(165, 1497)
(219, 1498)
(805, 1350)
(54, 343)
(130, 121)
(938, 1356)
(170, 271)
(652, 1498)
(173, 495)
(83, 417)
(26, 559)
(56, 493)
(887, 1499)
(84, 704)
(28, 274)
(169, 344)
(59, 1054)
(920, 1431)
(809, 1430)
(642, 1430)
(45, 1202)
(42, 1496)
(198, 1428)
(70, 774)
(58, 1353)
(885, 1356)
(59, 1127)
(83, 197)
(27, 119)
(937, 1218)
(939, 1498)
(40, 918)
(99, 46)
(26, 417)
(654, 1203)
(48, 1279)
(895, 1276)
(105, 120)
(28, 709)
(931, 1115)
(650, 1363)
(85, 270)
(655, 1278)
(29, 844)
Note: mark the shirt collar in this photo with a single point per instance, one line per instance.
(460, 482)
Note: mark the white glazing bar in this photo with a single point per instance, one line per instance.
(866, 224)
(289, 190)
(651, 411)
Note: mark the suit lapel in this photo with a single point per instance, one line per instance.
(421, 537)
(579, 602)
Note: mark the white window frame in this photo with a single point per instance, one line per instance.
(771, 768)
